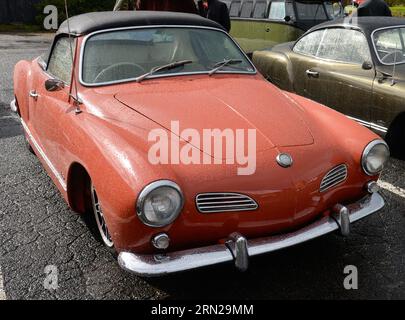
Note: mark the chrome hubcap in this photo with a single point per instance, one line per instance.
(98, 214)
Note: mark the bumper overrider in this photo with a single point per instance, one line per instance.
(239, 249)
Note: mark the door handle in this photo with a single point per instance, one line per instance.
(312, 73)
(34, 94)
(267, 29)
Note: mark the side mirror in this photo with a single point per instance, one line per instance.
(367, 65)
(54, 85)
(287, 18)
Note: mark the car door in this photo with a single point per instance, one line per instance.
(48, 108)
(307, 80)
(347, 72)
(388, 93)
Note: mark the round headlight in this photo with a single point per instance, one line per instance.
(160, 203)
(375, 155)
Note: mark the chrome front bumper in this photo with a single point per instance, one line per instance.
(238, 249)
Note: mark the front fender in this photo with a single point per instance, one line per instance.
(275, 67)
(116, 159)
(325, 122)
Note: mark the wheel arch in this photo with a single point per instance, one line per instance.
(78, 188)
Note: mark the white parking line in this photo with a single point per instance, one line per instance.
(391, 188)
(7, 117)
(2, 292)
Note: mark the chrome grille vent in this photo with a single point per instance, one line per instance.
(334, 177)
(224, 202)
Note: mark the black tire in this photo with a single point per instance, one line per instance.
(395, 138)
(28, 146)
(92, 219)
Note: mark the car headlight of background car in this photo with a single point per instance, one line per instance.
(375, 156)
(160, 203)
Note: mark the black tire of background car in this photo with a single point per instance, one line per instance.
(396, 137)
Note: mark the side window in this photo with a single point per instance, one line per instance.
(234, 9)
(344, 45)
(310, 10)
(260, 10)
(277, 10)
(60, 62)
(246, 10)
(309, 44)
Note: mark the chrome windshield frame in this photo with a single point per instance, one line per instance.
(87, 37)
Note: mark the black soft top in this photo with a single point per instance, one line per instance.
(366, 24)
(90, 22)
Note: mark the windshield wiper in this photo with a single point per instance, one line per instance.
(169, 66)
(218, 66)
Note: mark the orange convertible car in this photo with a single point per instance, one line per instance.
(113, 82)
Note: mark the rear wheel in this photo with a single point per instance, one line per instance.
(28, 145)
(100, 223)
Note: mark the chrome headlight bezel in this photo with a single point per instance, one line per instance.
(366, 153)
(143, 196)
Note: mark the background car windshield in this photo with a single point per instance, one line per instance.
(310, 11)
(126, 54)
(389, 44)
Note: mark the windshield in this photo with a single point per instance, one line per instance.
(124, 55)
(334, 9)
(389, 45)
(310, 11)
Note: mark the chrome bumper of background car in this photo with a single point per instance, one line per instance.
(238, 249)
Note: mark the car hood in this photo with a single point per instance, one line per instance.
(221, 102)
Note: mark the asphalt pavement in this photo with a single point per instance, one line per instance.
(47, 252)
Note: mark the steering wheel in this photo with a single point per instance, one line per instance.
(117, 71)
(393, 55)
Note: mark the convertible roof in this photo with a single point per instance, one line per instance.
(367, 24)
(89, 22)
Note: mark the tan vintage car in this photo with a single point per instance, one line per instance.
(356, 66)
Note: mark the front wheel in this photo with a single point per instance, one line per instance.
(100, 223)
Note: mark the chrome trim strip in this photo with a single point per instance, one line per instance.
(334, 177)
(43, 155)
(217, 202)
(370, 125)
(375, 48)
(86, 38)
(162, 264)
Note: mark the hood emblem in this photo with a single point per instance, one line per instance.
(284, 160)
